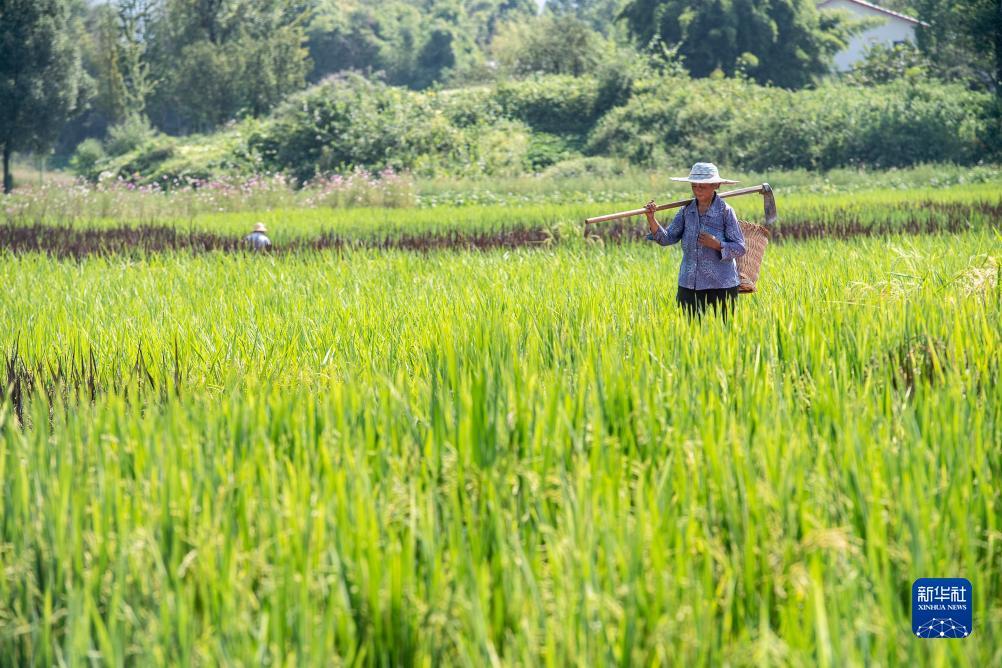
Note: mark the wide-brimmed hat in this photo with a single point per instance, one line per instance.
(703, 172)
(259, 227)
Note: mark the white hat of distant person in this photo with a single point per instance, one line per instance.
(259, 227)
(703, 172)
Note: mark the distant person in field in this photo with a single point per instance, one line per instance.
(711, 239)
(258, 239)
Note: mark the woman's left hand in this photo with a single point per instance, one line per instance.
(708, 240)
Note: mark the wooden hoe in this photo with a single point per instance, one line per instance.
(768, 197)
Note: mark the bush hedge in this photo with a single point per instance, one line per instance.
(523, 126)
(836, 125)
(893, 125)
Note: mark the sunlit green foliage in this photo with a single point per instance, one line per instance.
(786, 43)
(641, 116)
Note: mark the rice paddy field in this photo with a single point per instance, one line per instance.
(457, 434)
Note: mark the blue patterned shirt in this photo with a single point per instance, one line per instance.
(705, 268)
(258, 240)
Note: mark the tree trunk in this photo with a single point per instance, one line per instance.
(8, 178)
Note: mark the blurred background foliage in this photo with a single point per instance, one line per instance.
(528, 125)
(148, 88)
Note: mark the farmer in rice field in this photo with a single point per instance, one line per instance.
(711, 239)
(258, 239)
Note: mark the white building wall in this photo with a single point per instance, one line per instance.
(891, 30)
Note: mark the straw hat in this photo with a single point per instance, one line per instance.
(703, 172)
(259, 227)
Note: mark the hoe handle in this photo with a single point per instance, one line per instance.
(674, 205)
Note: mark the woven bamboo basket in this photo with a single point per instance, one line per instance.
(756, 239)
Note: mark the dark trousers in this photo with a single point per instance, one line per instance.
(694, 302)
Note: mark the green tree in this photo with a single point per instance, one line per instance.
(40, 75)
(985, 24)
(102, 56)
(414, 43)
(353, 36)
(549, 44)
(134, 18)
(963, 38)
(115, 55)
(598, 14)
(882, 64)
(487, 16)
(787, 43)
(436, 56)
(215, 60)
(402, 43)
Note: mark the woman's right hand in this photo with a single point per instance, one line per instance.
(651, 208)
(652, 222)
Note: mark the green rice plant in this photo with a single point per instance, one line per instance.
(805, 215)
(523, 457)
(362, 205)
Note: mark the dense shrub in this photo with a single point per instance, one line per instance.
(502, 149)
(350, 121)
(147, 158)
(470, 106)
(170, 162)
(515, 127)
(671, 118)
(128, 135)
(757, 127)
(87, 155)
(991, 133)
(592, 167)
(558, 104)
(546, 149)
(901, 123)
(882, 64)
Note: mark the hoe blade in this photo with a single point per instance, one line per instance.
(769, 199)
